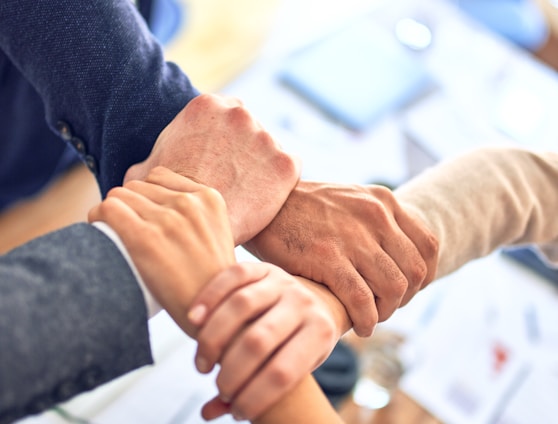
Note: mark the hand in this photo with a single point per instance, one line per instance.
(215, 141)
(257, 321)
(176, 232)
(357, 241)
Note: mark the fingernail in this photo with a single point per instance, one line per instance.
(238, 416)
(197, 314)
(225, 399)
(202, 364)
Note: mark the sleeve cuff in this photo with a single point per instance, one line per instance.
(151, 304)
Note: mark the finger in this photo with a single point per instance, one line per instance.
(405, 253)
(394, 269)
(140, 204)
(119, 216)
(278, 376)
(94, 214)
(159, 193)
(232, 316)
(254, 346)
(398, 234)
(355, 294)
(215, 408)
(387, 282)
(164, 177)
(221, 286)
(424, 241)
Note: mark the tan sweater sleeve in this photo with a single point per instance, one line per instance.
(485, 199)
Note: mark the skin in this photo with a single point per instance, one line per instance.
(214, 140)
(257, 321)
(374, 264)
(178, 235)
(176, 232)
(305, 404)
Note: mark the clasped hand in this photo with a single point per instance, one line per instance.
(358, 241)
(355, 240)
(254, 319)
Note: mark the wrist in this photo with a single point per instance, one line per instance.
(337, 311)
(151, 304)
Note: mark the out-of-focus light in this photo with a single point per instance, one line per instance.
(413, 34)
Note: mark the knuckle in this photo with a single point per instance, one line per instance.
(286, 165)
(242, 301)
(213, 198)
(207, 346)
(326, 327)
(240, 115)
(181, 201)
(240, 271)
(431, 247)
(204, 98)
(133, 185)
(418, 273)
(329, 248)
(378, 212)
(116, 191)
(384, 193)
(107, 205)
(281, 375)
(256, 341)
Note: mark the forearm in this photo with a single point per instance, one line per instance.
(98, 69)
(338, 312)
(62, 295)
(306, 403)
(485, 199)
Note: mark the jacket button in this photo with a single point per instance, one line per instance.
(64, 130)
(78, 144)
(91, 163)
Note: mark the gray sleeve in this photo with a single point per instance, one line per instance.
(73, 317)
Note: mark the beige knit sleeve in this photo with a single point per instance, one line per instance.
(485, 199)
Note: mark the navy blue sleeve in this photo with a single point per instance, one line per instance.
(73, 317)
(102, 76)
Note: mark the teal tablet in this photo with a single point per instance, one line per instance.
(356, 74)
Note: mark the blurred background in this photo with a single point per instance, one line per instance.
(373, 91)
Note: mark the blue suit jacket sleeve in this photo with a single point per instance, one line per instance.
(73, 317)
(102, 76)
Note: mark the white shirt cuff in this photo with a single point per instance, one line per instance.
(152, 305)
